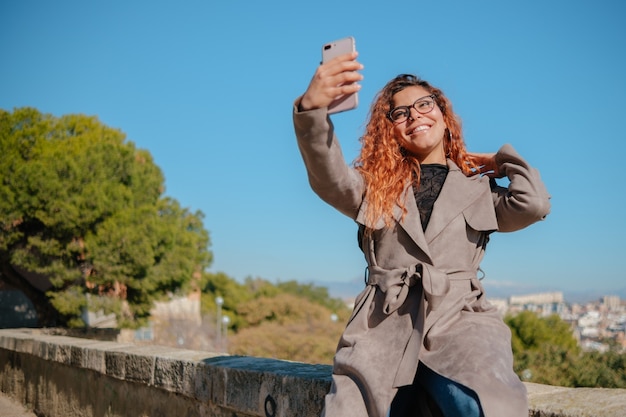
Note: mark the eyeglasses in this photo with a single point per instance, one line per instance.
(422, 105)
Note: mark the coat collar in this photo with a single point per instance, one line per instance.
(458, 192)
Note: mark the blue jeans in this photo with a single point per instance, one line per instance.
(451, 398)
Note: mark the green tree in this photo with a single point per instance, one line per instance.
(84, 221)
(545, 351)
(531, 332)
(596, 369)
(543, 348)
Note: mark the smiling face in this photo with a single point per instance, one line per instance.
(422, 135)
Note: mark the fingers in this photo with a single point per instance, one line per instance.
(340, 70)
(486, 163)
(484, 170)
(332, 79)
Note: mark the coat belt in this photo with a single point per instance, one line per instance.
(395, 283)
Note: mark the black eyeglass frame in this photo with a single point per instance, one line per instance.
(408, 108)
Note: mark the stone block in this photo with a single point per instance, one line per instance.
(168, 374)
(62, 353)
(201, 378)
(23, 344)
(9, 338)
(40, 349)
(139, 368)
(94, 357)
(304, 396)
(242, 391)
(115, 364)
(549, 401)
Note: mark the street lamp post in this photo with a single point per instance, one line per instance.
(218, 329)
(225, 322)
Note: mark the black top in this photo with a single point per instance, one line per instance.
(432, 177)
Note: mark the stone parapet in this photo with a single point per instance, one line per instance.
(60, 376)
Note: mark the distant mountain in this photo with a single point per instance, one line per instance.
(592, 295)
(344, 290)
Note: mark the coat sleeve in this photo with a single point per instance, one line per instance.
(525, 200)
(330, 177)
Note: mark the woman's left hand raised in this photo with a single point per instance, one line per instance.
(486, 163)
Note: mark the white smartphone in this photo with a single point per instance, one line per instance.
(329, 51)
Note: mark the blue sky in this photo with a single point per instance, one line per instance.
(207, 88)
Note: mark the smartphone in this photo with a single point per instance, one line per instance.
(329, 51)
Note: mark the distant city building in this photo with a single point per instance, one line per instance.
(598, 323)
(541, 298)
(595, 325)
(612, 302)
(543, 304)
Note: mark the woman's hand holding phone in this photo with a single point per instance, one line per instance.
(333, 81)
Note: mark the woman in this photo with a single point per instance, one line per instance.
(422, 339)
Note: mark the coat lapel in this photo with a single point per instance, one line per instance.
(458, 192)
(411, 223)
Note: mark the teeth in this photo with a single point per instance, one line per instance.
(420, 128)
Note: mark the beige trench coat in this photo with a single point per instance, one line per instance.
(423, 301)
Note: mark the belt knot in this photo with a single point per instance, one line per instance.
(395, 283)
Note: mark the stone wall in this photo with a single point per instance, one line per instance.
(61, 376)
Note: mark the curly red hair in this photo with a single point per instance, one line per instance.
(385, 165)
